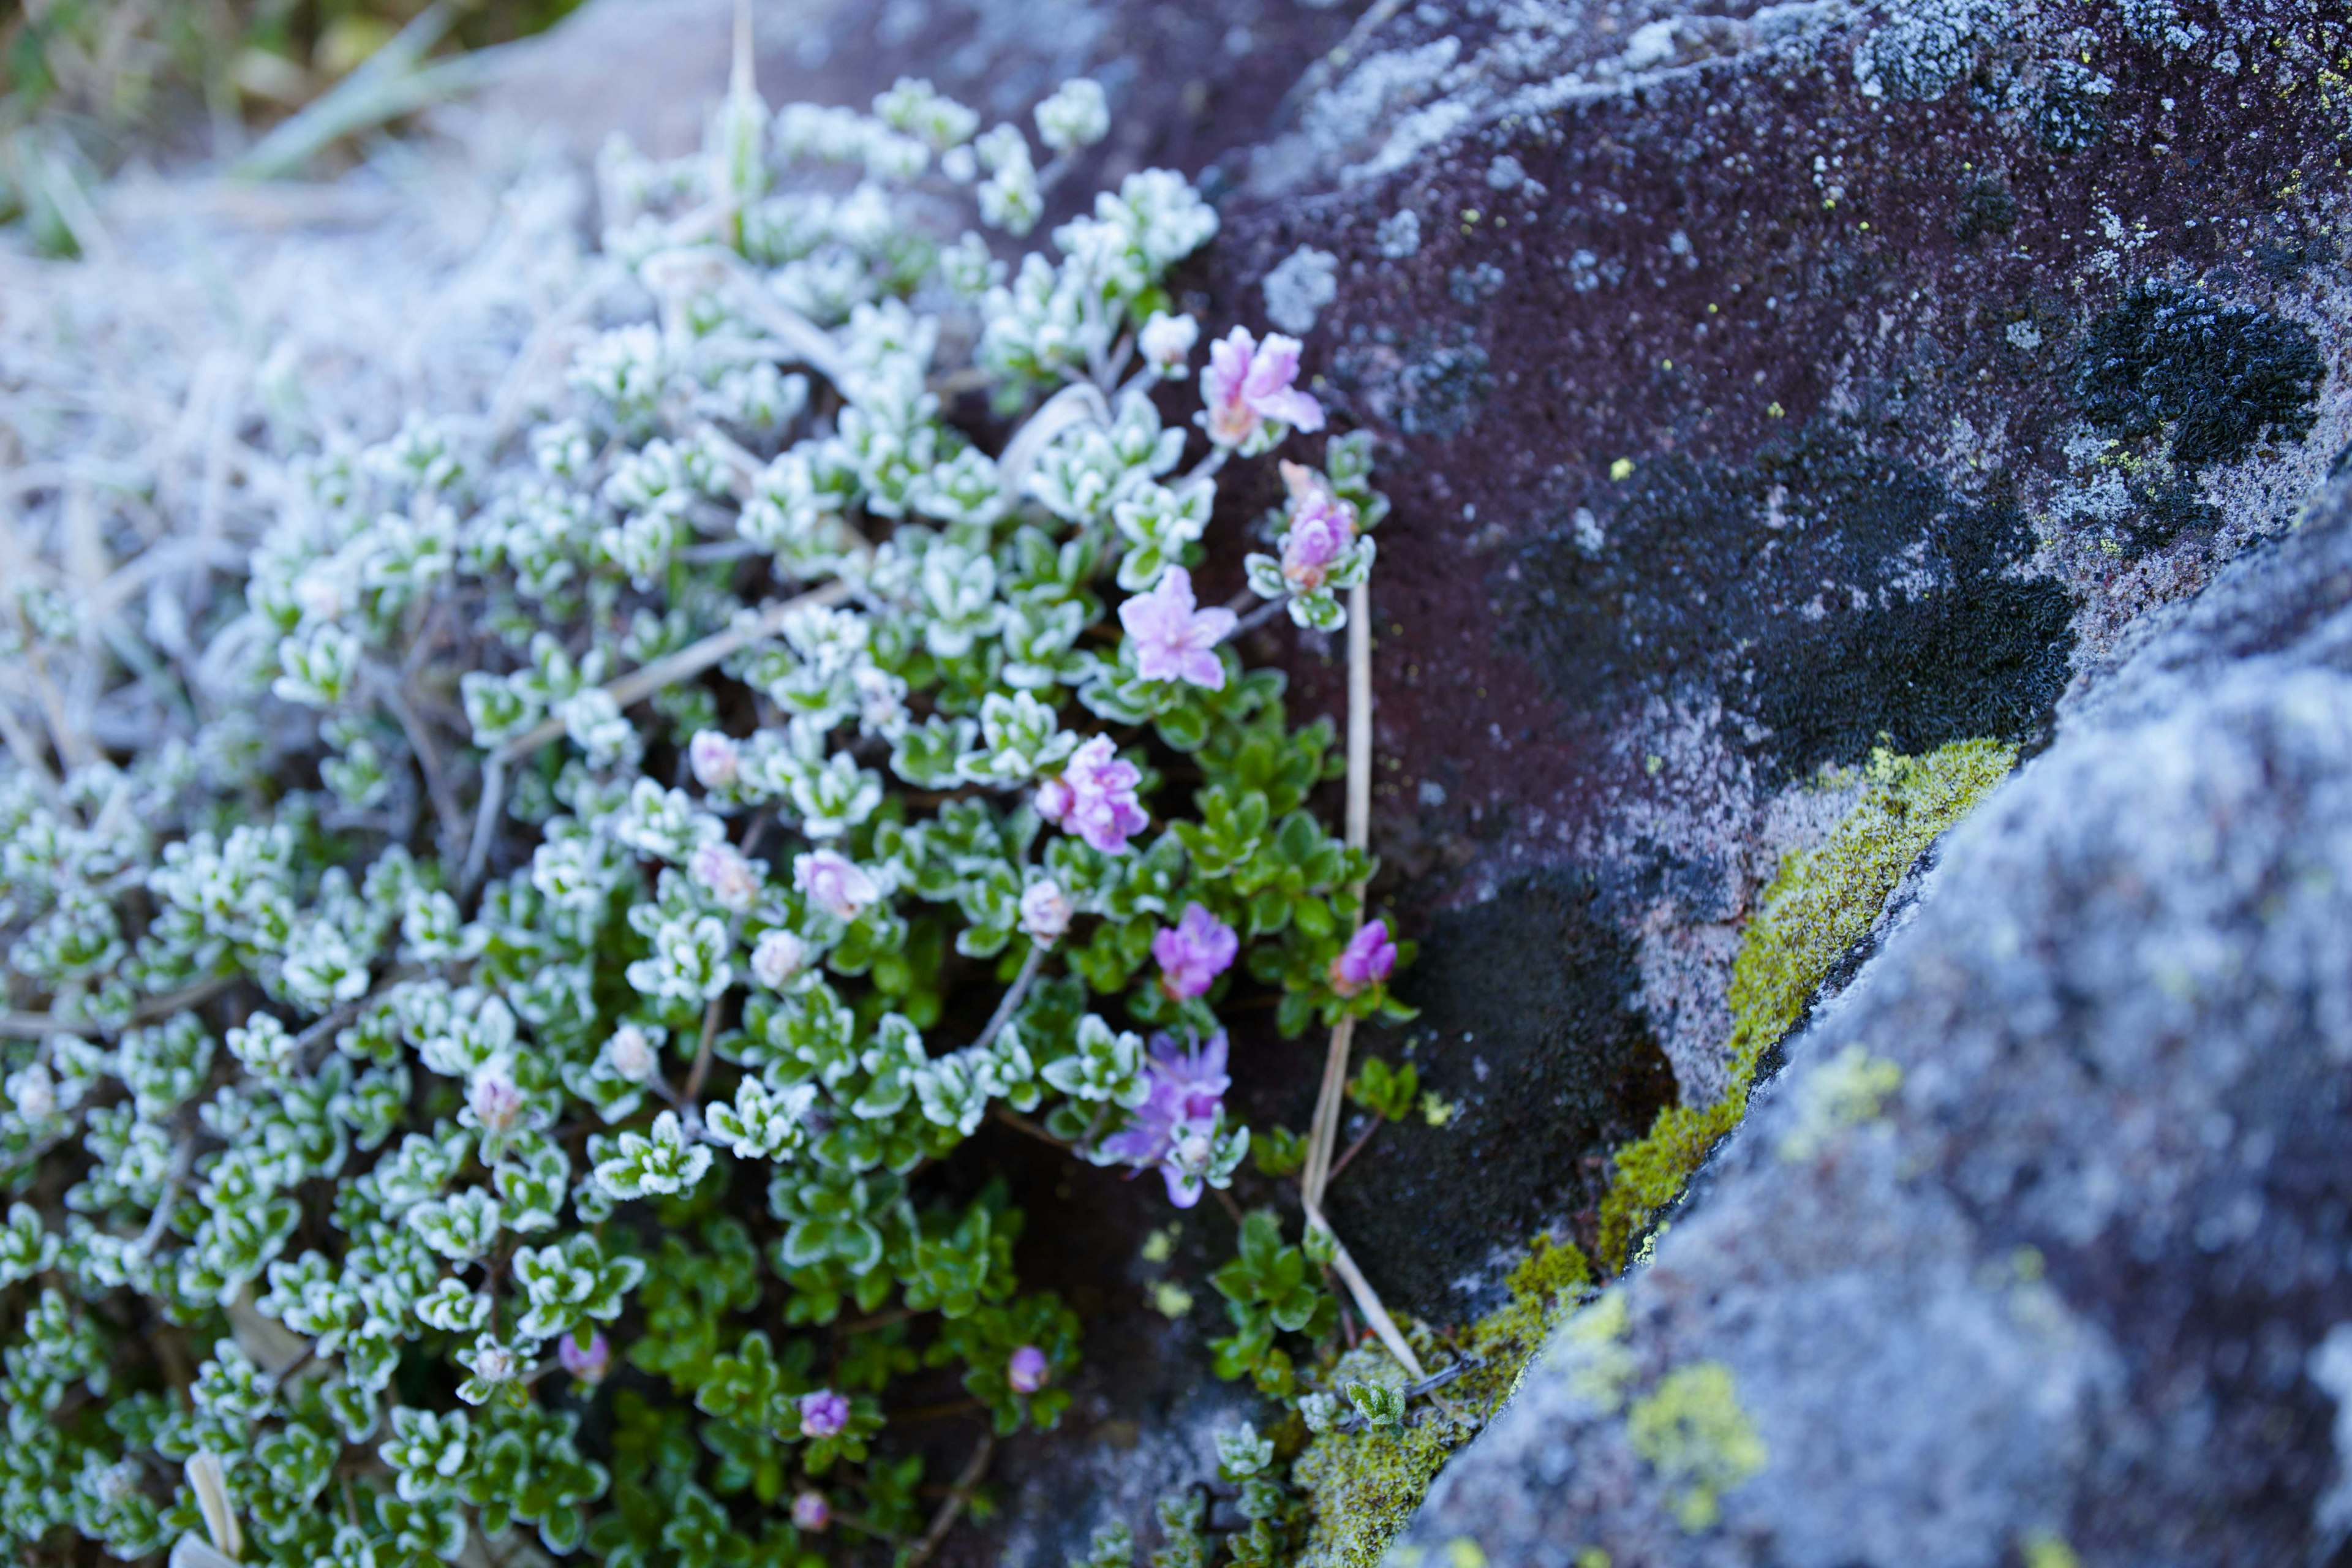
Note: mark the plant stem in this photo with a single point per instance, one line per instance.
(39, 1026)
(1020, 1124)
(1011, 1002)
(951, 1510)
(701, 1068)
(683, 665)
(1362, 1138)
(1326, 1130)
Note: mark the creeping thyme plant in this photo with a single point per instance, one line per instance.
(477, 1069)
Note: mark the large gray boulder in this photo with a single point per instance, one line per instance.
(2039, 1242)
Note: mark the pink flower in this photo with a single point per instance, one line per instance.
(732, 881)
(1193, 952)
(823, 1414)
(1247, 385)
(1174, 1128)
(833, 884)
(494, 1100)
(810, 1511)
(1045, 910)
(1174, 640)
(714, 759)
(1322, 527)
(1365, 960)
(1026, 1371)
(1095, 798)
(588, 1362)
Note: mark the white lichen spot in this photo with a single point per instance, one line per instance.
(1399, 235)
(1298, 290)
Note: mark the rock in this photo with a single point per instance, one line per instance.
(1758, 390)
(2035, 1243)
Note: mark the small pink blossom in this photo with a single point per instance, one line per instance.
(1045, 910)
(732, 882)
(835, 884)
(776, 957)
(810, 1511)
(1026, 1371)
(1247, 385)
(714, 758)
(1318, 536)
(1366, 960)
(823, 1414)
(588, 1362)
(493, 1098)
(1095, 798)
(1194, 951)
(1174, 641)
(1321, 528)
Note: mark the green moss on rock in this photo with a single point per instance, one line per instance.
(1820, 903)
(1364, 1486)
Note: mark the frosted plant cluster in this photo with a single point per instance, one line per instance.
(590, 862)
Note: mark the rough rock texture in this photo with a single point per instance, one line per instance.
(1758, 388)
(2059, 1276)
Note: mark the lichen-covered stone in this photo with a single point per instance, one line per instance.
(2054, 1285)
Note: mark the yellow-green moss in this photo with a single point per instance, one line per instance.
(1820, 904)
(1364, 1486)
(1692, 1431)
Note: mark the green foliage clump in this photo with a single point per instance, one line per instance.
(488, 1048)
(1387, 1092)
(1820, 903)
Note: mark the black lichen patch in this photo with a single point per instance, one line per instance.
(2220, 377)
(2163, 512)
(2071, 115)
(1835, 598)
(1433, 386)
(1986, 207)
(1530, 1024)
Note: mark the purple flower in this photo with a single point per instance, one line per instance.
(1026, 1371)
(1175, 1127)
(714, 759)
(1174, 641)
(1322, 527)
(1248, 384)
(1192, 952)
(1365, 960)
(833, 884)
(810, 1511)
(823, 1414)
(1095, 798)
(588, 1362)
